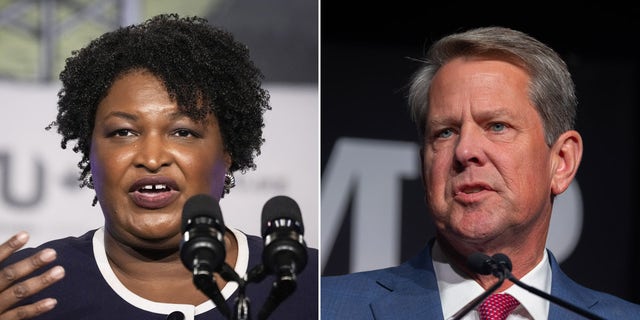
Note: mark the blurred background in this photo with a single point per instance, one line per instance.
(373, 209)
(373, 212)
(38, 180)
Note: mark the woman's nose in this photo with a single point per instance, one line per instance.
(153, 153)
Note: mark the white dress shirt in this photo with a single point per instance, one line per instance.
(456, 290)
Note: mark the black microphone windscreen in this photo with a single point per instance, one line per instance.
(479, 263)
(201, 205)
(281, 207)
(503, 259)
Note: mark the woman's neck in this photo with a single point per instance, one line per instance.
(157, 275)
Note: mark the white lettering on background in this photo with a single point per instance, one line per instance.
(371, 170)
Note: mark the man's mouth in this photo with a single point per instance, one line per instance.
(475, 189)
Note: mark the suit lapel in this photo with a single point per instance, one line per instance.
(568, 290)
(399, 306)
(413, 290)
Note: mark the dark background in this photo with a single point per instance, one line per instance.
(366, 53)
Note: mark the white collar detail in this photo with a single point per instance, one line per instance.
(189, 311)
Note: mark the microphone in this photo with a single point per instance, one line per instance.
(482, 264)
(285, 251)
(202, 248)
(504, 263)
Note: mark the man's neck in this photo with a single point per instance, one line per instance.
(523, 259)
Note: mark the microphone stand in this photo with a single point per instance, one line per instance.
(242, 308)
(555, 300)
(547, 296)
(281, 289)
(205, 281)
(475, 302)
(242, 303)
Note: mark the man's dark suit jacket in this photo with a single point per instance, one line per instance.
(410, 291)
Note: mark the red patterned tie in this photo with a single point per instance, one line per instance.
(497, 306)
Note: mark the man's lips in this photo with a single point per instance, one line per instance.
(471, 188)
(154, 192)
(470, 192)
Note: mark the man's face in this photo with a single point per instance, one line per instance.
(487, 169)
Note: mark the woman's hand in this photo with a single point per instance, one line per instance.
(14, 288)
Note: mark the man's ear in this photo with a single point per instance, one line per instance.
(566, 155)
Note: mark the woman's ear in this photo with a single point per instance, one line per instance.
(227, 161)
(566, 154)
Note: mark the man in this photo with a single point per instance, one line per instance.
(495, 111)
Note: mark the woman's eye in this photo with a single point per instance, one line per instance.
(122, 133)
(184, 133)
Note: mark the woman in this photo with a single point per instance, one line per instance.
(160, 112)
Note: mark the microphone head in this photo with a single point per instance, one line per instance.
(285, 251)
(479, 263)
(202, 246)
(281, 209)
(503, 259)
(201, 205)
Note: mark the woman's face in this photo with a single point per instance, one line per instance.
(147, 159)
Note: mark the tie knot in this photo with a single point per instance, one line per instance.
(497, 306)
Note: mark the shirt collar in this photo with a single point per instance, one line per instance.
(456, 290)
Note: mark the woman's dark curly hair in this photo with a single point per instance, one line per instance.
(202, 68)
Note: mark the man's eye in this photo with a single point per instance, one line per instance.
(497, 127)
(446, 133)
